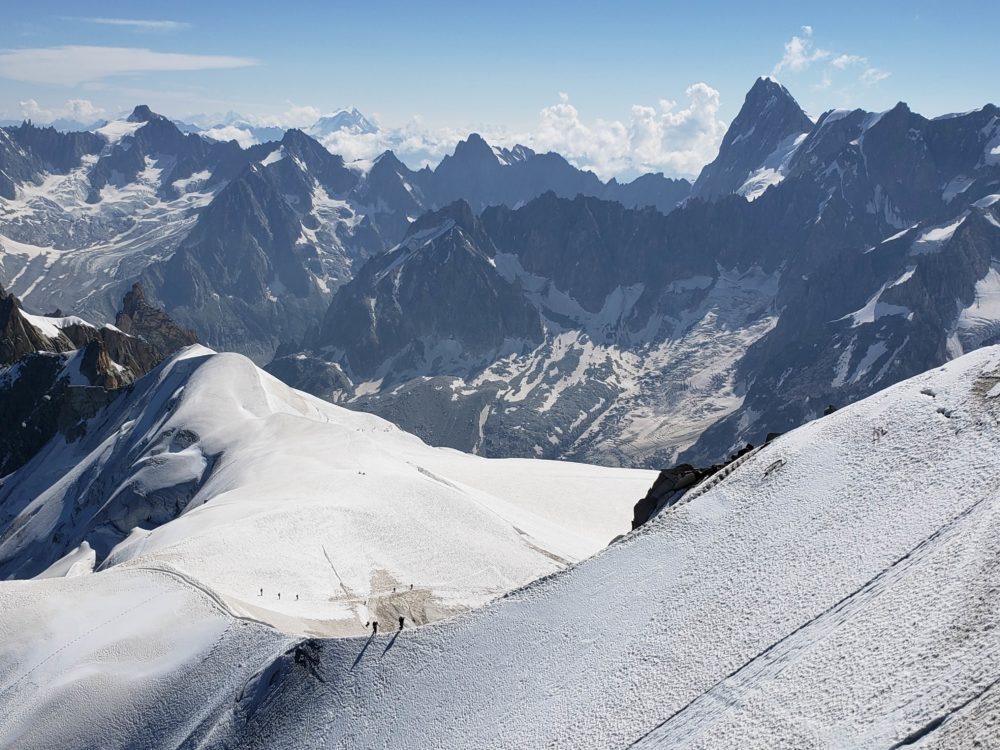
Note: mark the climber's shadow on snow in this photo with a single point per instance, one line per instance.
(391, 642)
(363, 649)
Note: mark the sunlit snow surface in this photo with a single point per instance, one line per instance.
(304, 515)
(838, 589)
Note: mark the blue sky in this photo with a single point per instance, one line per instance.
(508, 69)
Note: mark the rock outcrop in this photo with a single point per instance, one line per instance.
(58, 372)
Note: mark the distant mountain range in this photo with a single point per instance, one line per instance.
(244, 245)
(508, 303)
(813, 265)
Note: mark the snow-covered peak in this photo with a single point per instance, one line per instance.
(506, 156)
(350, 120)
(759, 140)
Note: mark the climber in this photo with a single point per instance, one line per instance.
(401, 622)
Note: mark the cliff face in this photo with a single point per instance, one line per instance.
(57, 372)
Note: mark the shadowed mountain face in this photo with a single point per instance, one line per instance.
(509, 303)
(244, 245)
(868, 256)
(768, 127)
(57, 371)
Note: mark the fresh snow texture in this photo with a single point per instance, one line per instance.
(335, 514)
(837, 589)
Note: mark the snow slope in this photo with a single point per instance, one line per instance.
(307, 516)
(134, 658)
(838, 589)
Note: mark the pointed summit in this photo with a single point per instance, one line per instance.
(476, 149)
(760, 138)
(142, 113)
(350, 120)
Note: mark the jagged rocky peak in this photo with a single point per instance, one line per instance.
(18, 337)
(139, 318)
(142, 113)
(509, 156)
(60, 371)
(438, 285)
(761, 137)
(458, 212)
(472, 153)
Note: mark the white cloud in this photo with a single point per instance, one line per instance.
(844, 61)
(81, 110)
(668, 137)
(231, 133)
(664, 138)
(800, 53)
(138, 24)
(871, 76)
(296, 116)
(73, 65)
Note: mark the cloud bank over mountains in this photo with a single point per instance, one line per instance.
(673, 137)
(676, 137)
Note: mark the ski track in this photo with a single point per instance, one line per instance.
(684, 726)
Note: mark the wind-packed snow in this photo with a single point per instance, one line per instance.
(338, 512)
(78, 562)
(838, 589)
(133, 659)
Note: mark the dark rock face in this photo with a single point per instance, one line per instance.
(769, 120)
(16, 166)
(867, 258)
(18, 337)
(140, 319)
(223, 277)
(872, 256)
(160, 140)
(483, 175)
(673, 483)
(53, 150)
(254, 240)
(668, 488)
(439, 285)
(52, 384)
